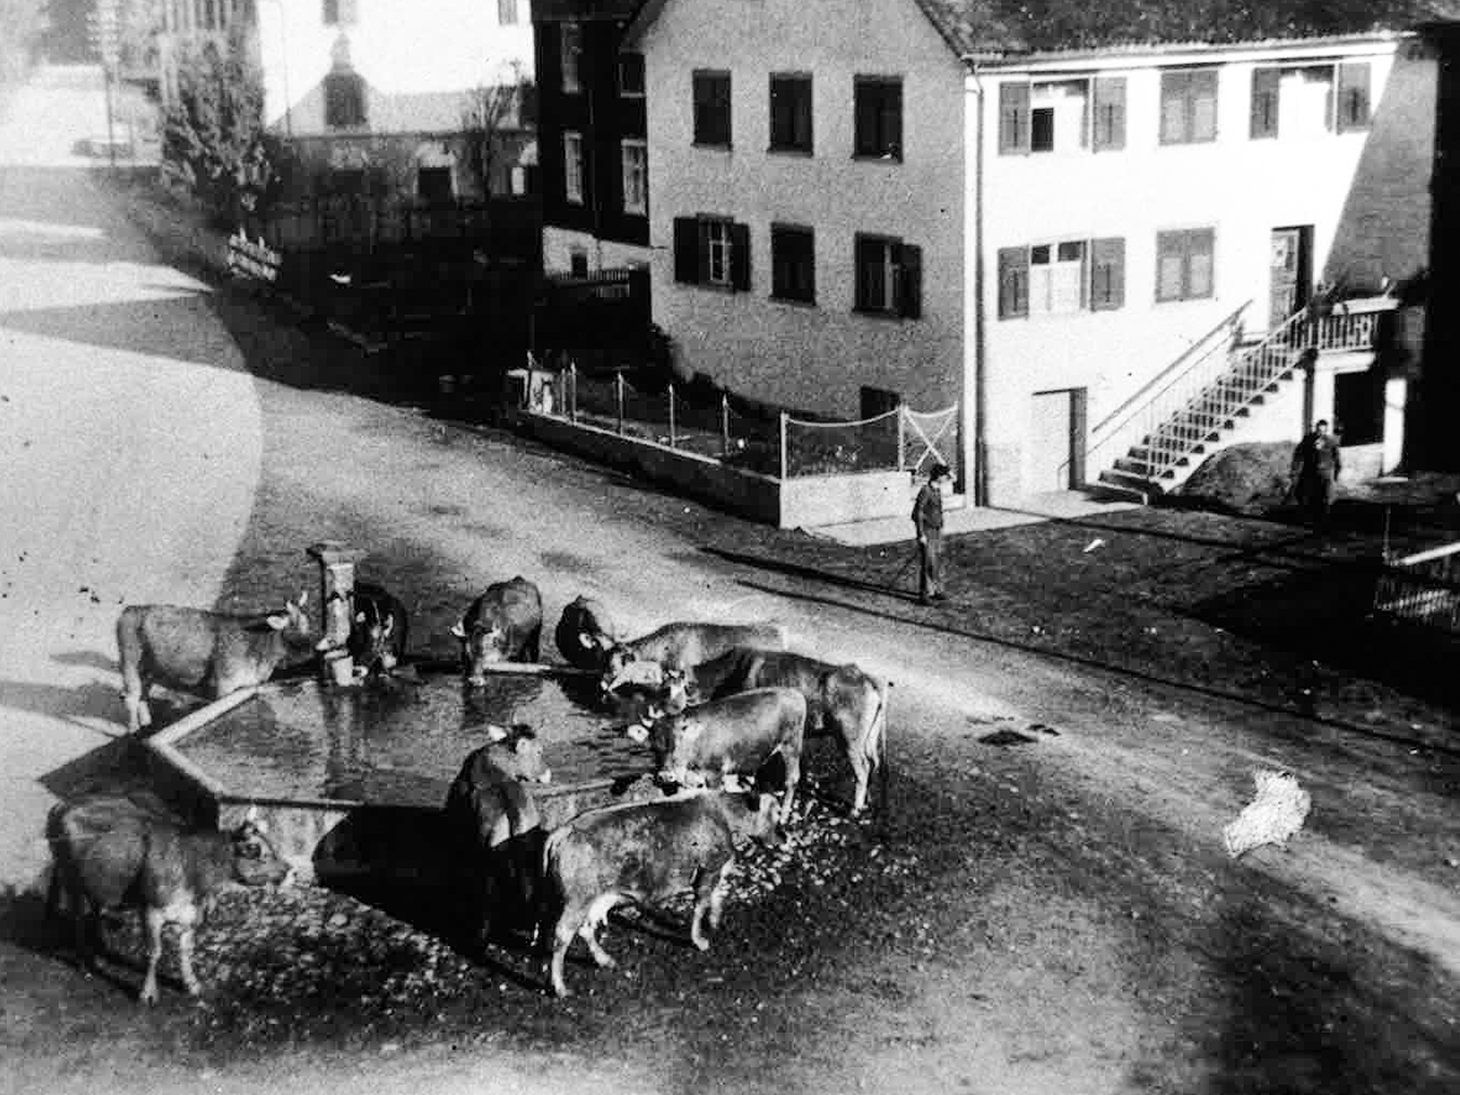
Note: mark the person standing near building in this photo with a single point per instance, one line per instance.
(927, 517)
(1316, 465)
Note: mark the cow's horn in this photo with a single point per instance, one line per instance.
(458, 630)
(586, 640)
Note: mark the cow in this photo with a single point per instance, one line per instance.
(111, 852)
(209, 653)
(840, 699)
(645, 853)
(504, 624)
(379, 629)
(585, 634)
(495, 829)
(735, 736)
(679, 646)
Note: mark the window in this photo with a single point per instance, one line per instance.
(1184, 264)
(1061, 278)
(578, 263)
(348, 182)
(433, 185)
(712, 109)
(790, 113)
(635, 158)
(878, 118)
(1353, 96)
(338, 13)
(1057, 115)
(631, 75)
(507, 12)
(344, 100)
(711, 251)
(1189, 106)
(793, 263)
(570, 54)
(573, 167)
(889, 277)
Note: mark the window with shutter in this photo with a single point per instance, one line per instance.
(573, 167)
(711, 109)
(793, 263)
(1189, 106)
(1108, 117)
(570, 57)
(790, 113)
(1184, 264)
(1014, 137)
(635, 162)
(344, 100)
(1013, 282)
(1353, 96)
(1107, 274)
(877, 117)
(1265, 83)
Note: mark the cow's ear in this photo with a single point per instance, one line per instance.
(458, 630)
(359, 617)
(303, 597)
(388, 626)
(278, 623)
(586, 640)
(495, 732)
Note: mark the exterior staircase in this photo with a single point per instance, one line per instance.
(1158, 437)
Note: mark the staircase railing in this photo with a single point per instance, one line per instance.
(1160, 396)
(1217, 398)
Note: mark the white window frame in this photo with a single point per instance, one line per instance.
(634, 156)
(1042, 289)
(573, 167)
(718, 246)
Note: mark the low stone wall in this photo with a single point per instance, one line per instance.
(811, 500)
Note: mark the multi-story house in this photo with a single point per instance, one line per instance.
(1084, 235)
(372, 94)
(591, 134)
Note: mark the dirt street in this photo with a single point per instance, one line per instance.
(1055, 915)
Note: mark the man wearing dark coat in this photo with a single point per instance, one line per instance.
(927, 517)
(1316, 464)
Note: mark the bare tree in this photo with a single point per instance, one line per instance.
(491, 114)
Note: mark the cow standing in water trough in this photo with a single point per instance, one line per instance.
(208, 653)
(493, 823)
(504, 624)
(840, 699)
(109, 852)
(585, 634)
(679, 646)
(644, 853)
(734, 736)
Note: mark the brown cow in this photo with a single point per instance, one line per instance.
(679, 646)
(209, 653)
(111, 852)
(645, 853)
(504, 624)
(840, 699)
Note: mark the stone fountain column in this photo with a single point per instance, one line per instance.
(337, 596)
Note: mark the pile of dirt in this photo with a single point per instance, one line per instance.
(1249, 479)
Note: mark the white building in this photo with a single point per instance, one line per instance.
(857, 203)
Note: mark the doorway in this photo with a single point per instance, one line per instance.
(1057, 440)
(1291, 273)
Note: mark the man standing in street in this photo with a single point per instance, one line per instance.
(927, 516)
(1316, 465)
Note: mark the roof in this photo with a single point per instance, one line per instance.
(426, 112)
(1000, 26)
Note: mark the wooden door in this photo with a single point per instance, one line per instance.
(1057, 440)
(1290, 273)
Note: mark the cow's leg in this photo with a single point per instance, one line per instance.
(185, 960)
(792, 759)
(710, 889)
(597, 914)
(152, 925)
(566, 928)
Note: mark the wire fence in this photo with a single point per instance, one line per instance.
(1423, 588)
(745, 434)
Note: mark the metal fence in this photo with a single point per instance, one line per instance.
(1423, 588)
(745, 434)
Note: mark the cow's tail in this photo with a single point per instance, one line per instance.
(129, 650)
(874, 745)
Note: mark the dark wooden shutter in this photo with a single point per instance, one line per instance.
(1109, 117)
(1202, 116)
(892, 120)
(1013, 282)
(862, 257)
(1107, 275)
(1265, 102)
(910, 281)
(740, 256)
(1353, 96)
(686, 250)
(1013, 119)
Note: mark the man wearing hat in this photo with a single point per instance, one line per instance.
(927, 516)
